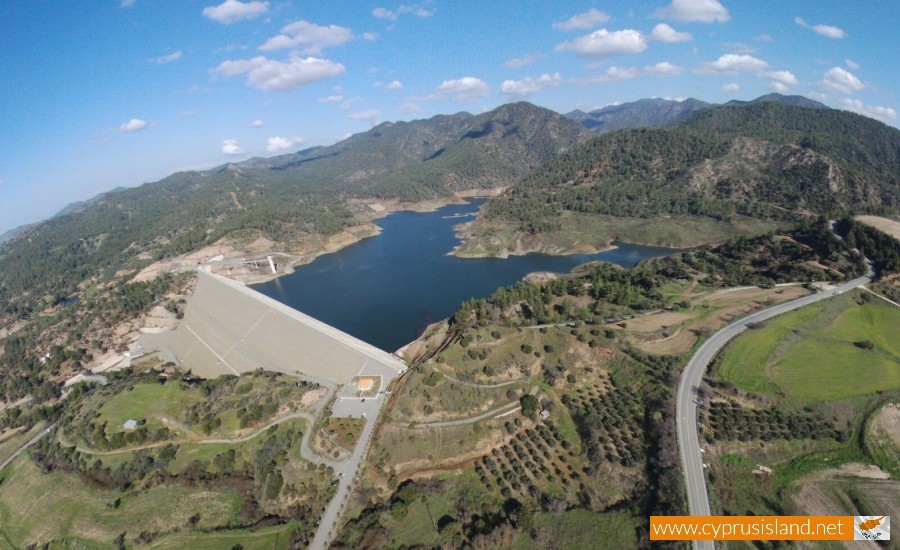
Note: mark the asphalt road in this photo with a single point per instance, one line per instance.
(686, 404)
(22, 449)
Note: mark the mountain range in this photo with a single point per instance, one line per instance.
(656, 112)
(773, 157)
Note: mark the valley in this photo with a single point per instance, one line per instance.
(517, 413)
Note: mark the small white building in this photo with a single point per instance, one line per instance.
(130, 424)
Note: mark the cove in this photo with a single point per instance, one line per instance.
(386, 289)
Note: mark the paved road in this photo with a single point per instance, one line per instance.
(686, 404)
(22, 449)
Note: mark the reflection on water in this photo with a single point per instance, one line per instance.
(386, 289)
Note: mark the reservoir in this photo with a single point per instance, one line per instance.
(386, 289)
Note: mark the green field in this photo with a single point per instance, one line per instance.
(38, 507)
(153, 402)
(810, 355)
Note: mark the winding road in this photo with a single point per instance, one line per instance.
(686, 405)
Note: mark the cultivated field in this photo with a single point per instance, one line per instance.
(889, 226)
(819, 353)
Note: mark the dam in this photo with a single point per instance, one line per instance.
(229, 328)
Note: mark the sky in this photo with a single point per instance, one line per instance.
(107, 93)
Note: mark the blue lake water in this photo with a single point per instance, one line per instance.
(385, 290)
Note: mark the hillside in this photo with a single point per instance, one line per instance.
(657, 112)
(289, 199)
(765, 160)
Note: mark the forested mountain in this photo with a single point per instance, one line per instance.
(285, 196)
(765, 159)
(656, 112)
(644, 113)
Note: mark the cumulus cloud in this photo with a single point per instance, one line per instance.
(702, 11)
(732, 64)
(393, 15)
(619, 74)
(519, 62)
(275, 144)
(663, 68)
(883, 114)
(778, 87)
(586, 20)
(392, 85)
(467, 88)
(730, 87)
(824, 30)
(665, 33)
(174, 56)
(311, 37)
(529, 86)
(817, 96)
(231, 147)
(133, 125)
(838, 79)
(602, 42)
(269, 74)
(852, 64)
(784, 77)
(368, 115)
(257, 124)
(231, 11)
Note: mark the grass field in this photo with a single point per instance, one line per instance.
(37, 507)
(810, 355)
(581, 529)
(153, 402)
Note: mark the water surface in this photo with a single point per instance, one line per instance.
(385, 290)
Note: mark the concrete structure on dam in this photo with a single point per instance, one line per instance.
(229, 328)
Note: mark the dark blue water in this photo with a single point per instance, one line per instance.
(385, 290)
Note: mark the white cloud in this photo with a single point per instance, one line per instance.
(519, 62)
(231, 11)
(368, 115)
(311, 37)
(739, 47)
(392, 85)
(824, 30)
(2, 181)
(852, 64)
(393, 15)
(785, 77)
(467, 88)
(830, 31)
(602, 42)
(269, 74)
(586, 20)
(275, 144)
(663, 68)
(331, 99)
(133, 125)
(765, 38)
(619, 74)
(838, 79)
(370, 36)
(167, 58)
(231, 147)
(730, 87)
(883, 114)
(257, 124)
(528, 86)
(187, 112)
(778, 87)
(409, 107)
(817, 96)
(126, 3)
(732, 64)
(703, 11)
(665, 33)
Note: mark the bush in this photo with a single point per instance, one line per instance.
(526, 348)
(864, 344)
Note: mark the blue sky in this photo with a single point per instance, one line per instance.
(121, 92)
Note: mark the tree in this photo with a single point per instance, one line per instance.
(529, 404)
